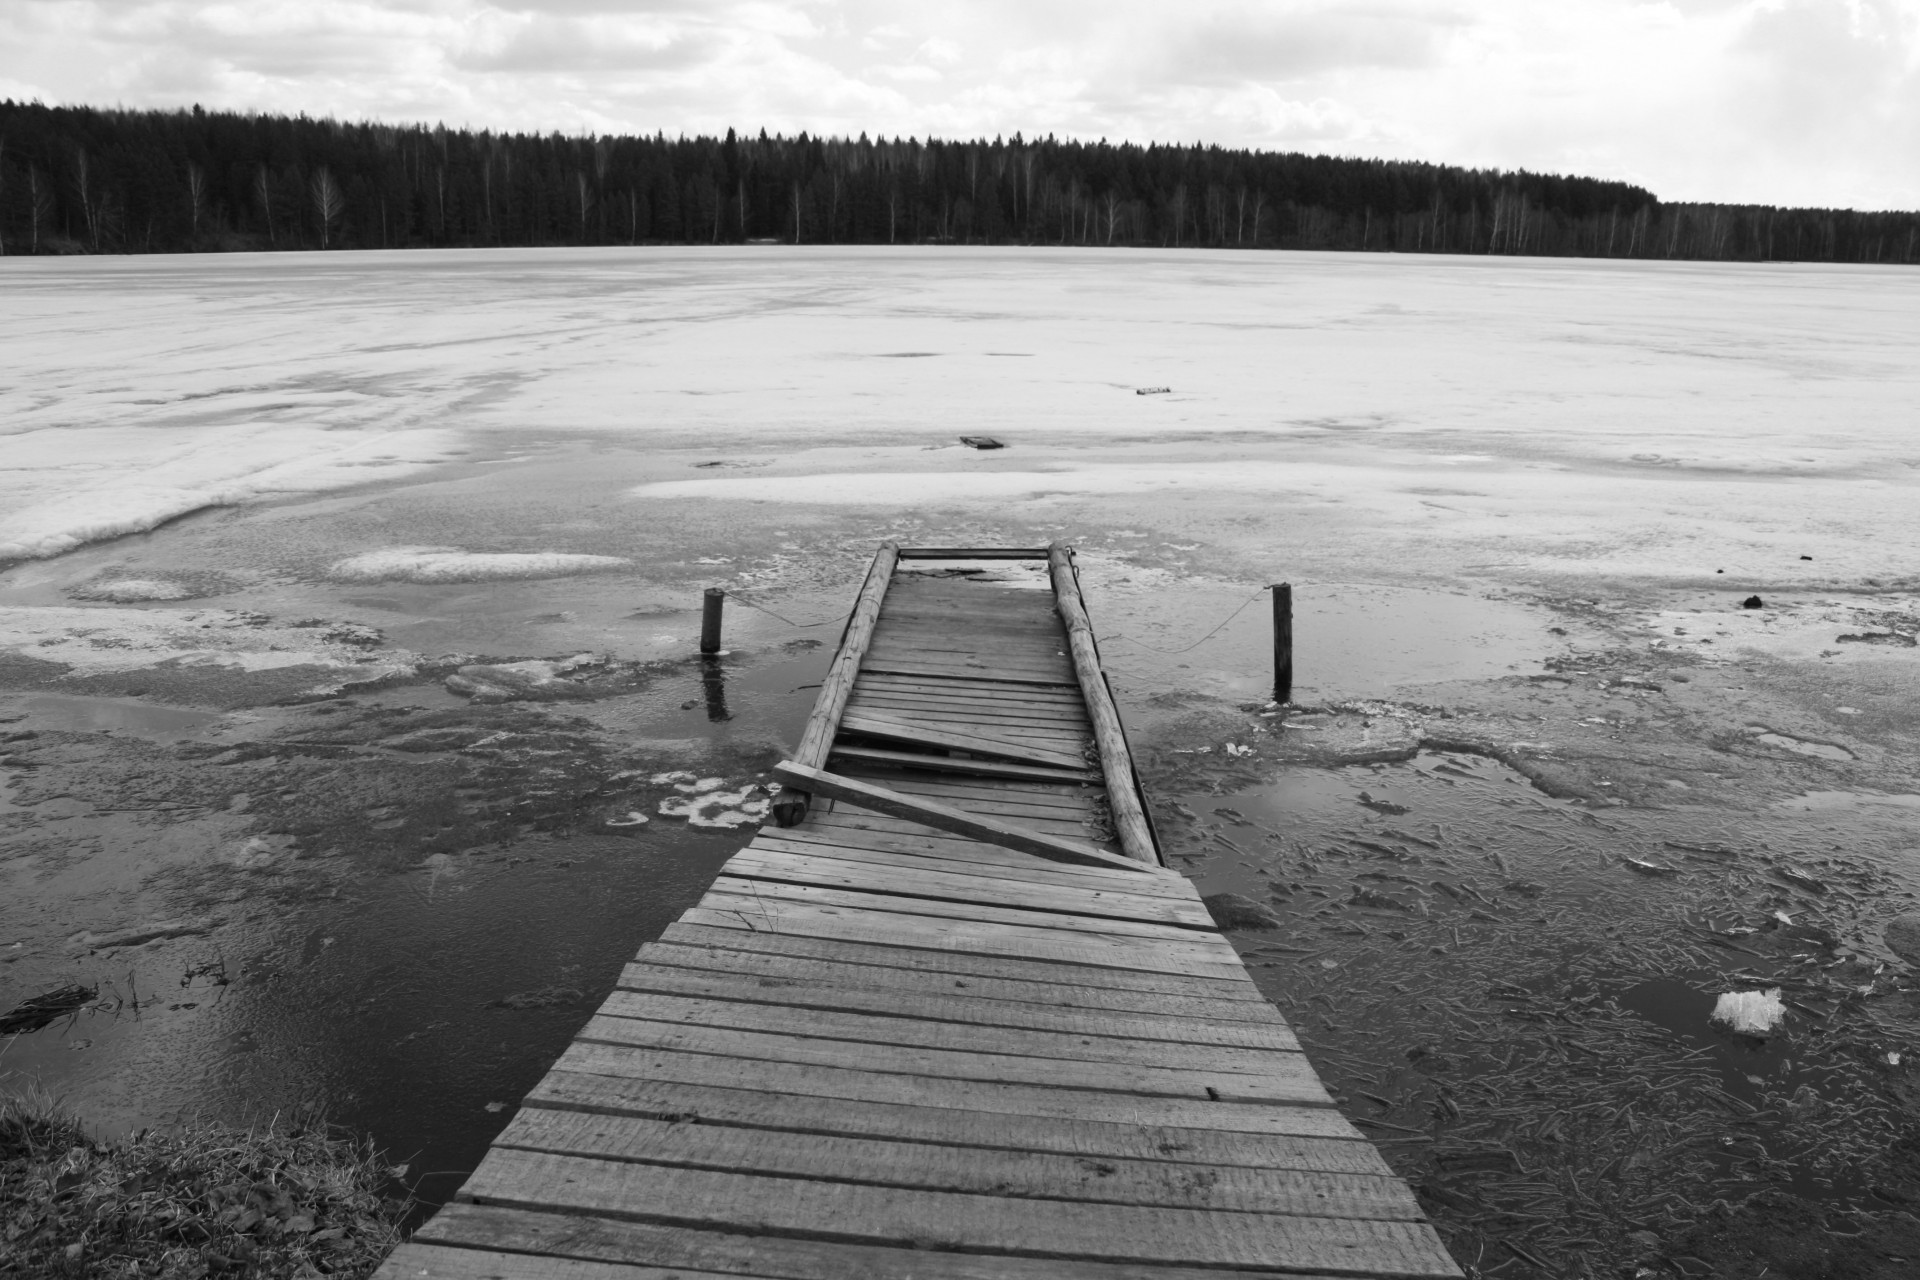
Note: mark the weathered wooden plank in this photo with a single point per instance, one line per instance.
(959, 1093)
(985, 662)
(1074, 819)
(783, 977)
(1129, 817)
(947, 1220)
(943, 817)
(756, 1109)
(908, 666)
(1022, 1175)
(973, 553)
(916, 852)
(851, 826)
(948, 1005)
(775, 1257)
(1020, 646)
(893, 878)
(729, 890)
(1073, 797)
(1074, 739)
(1065, 723)
(893, 1030)
(1061, 969)
(859, 858)
(824, 721)
(883, 758)
(932, 933)
(419, 1261)
(725, 1045)
(894, 728)
(852, 831)
(1044, 696)
(943, 687)
(888, 823)
(997, 702)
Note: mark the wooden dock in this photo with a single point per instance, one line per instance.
(954, 1021)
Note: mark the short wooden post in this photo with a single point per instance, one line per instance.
(710, 620)
(1283, 642)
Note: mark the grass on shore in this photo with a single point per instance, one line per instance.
(201, 1201)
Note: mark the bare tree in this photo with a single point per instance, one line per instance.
(263, 192)
(796, 212)
(328, 203)
(83, 185)
(196, 194)
(39, 206)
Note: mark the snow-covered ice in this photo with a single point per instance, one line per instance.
(1536, 415)
(450, 564)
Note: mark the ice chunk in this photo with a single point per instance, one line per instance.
(451, 564)
(1751, 1013)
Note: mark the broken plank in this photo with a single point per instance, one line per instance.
(881, 757)
(854, 845)
(896, 880)
(894, 729)
(945, 817)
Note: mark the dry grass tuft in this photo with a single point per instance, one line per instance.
(206, 1200)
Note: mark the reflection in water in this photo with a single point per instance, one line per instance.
(713, 682)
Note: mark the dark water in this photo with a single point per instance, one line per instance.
(1520, 1017)
(414, 1003)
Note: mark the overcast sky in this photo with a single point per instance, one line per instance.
(1779, 101)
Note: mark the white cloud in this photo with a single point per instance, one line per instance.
(1798, 101)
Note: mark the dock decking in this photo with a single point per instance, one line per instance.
(954, 1022)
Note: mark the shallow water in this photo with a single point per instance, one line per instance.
(1466, 959)
(375, 999)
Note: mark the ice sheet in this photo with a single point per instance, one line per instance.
(1576, 416)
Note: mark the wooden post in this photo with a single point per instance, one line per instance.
(710, 620)
(816, 743)
(1116, 762)
(1282, 642)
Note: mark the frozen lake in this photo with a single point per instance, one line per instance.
(1530, 417)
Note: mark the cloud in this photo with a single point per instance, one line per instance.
(1801, 101)
(1260, 44)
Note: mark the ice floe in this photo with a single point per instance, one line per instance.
(738, 808)
(110, 639)
(451, 564)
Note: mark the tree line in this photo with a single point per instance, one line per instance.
(87, 180)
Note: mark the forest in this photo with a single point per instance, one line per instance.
(86, 180)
